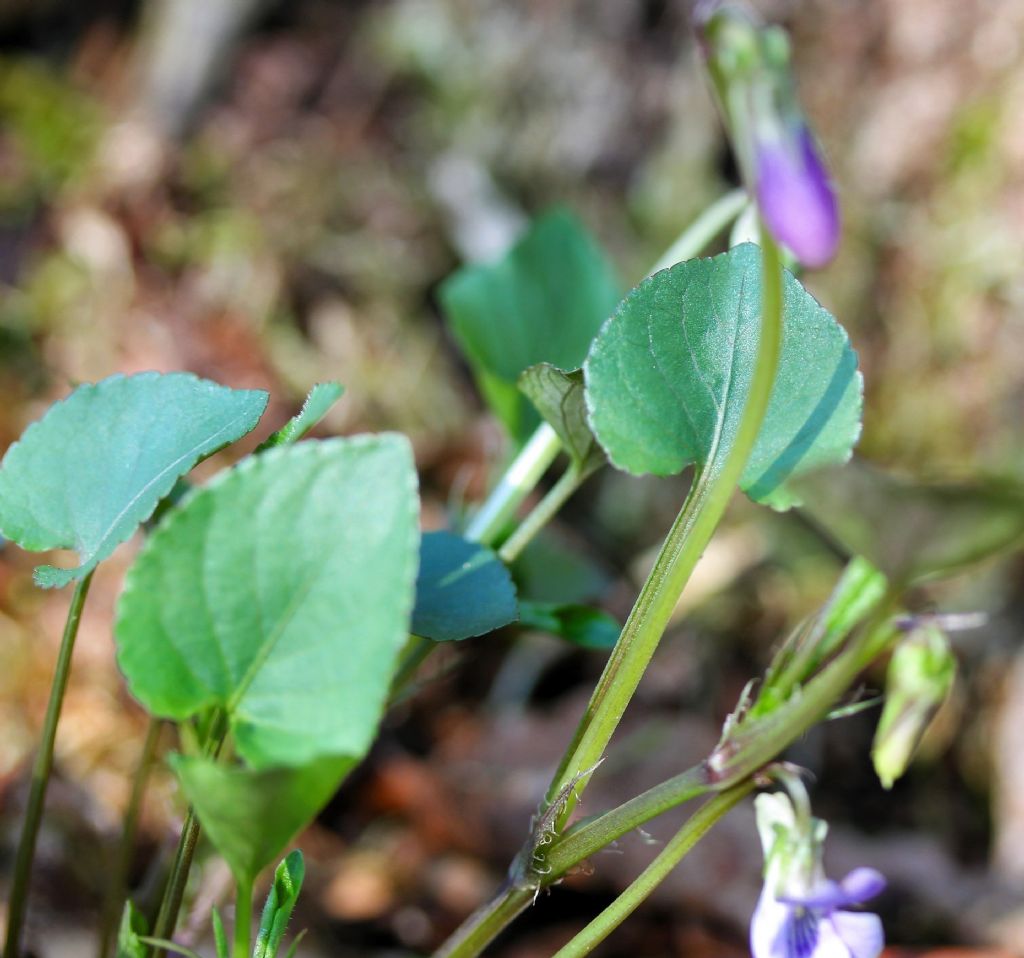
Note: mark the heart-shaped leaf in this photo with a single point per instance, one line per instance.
(281, 594)
(668, 376)
(912, 530)
(96, 465)
(320, 399)
(558, 396)
(463, 590)
(250, 816)
(543, 302)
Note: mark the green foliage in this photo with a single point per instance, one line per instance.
(98, 463)
(284, 893)
(543, 302)
(320, 399)
(583, 626)
(463, 590)
(133, 926)
(249, 815)
(667, 378)
(914, 530)
(559, 397)
(280, 594)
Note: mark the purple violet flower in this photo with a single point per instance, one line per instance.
(801, 914)
(818, 925)
(796, 198)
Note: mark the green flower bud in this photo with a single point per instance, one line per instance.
(919, 679)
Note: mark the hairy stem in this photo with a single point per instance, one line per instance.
(117, 886)
(686, 541)
(655, 873)
(41, 770)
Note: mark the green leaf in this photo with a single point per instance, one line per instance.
(320, 399)
(543, 302)
(912, 530)
(583, 626)
(668, 377)
(558, 396)
(463, 590)
(96, 465)
(249, 815)
(281, 900)
(281, 594)
(220, 938)
(133, 926)
(552, 570)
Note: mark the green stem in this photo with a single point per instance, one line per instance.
(655, 873)
(542, 514)
(586, 838)
(174, 891)
(515, 485)
(41, 770)
(704, 229)
(119, 877)
(690, 533)
(243, 918)
(485, 924)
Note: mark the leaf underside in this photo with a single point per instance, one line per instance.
(97, 464)
(668, 376)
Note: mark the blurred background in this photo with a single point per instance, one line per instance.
(268, 193)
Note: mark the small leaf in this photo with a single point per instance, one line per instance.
(668, 376)
(583, 626)
(552, 570)
(912, 530)
(281, 900)
(320, 399)
(280, 593)
(558, 397)
(463, 590)
(96, 465)
(220, 938)
(133, 926)
(250, 816)
(543, 302)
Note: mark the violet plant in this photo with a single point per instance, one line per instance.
(273, 614)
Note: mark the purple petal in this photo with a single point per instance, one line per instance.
(767, 927)
(861, 885)
(857, 935)
(796, 198)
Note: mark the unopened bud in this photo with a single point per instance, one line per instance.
(920, 676)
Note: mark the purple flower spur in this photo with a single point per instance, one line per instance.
(796, 198)
(818, 925)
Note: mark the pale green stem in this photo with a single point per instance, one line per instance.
(703, 229)
(655, 873)
(515, 485)
(686, 542)
(485, 924)
(243, 918)
(545, 511)
(41, 769)
(119, 876)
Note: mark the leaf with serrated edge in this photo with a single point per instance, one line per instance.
(280, 593)
(558, 396)
(97, 464)
(668, 376)
(543, 302)
(320, 399)
(250, 816)
(463, 590)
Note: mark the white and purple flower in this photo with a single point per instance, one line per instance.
(801, 914)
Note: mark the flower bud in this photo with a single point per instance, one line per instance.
(749, 65)
(919, 678)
